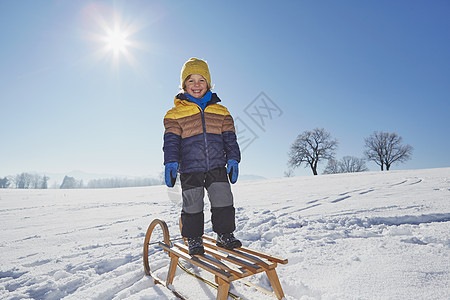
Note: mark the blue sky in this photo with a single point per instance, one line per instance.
(351, 67)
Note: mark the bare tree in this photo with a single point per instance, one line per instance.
(332, 167)
(23, 180)
(44, 183)
(311, 147)
(351, 164)
(386, 148)
(348, 164)
(36, 181)
(289, 172)
(4, 183)
(68, 183)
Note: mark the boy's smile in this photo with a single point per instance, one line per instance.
(196, 86)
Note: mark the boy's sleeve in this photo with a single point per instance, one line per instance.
(230, 140)
(172, 139)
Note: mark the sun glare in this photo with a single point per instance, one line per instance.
(113, 33)
(116, 41)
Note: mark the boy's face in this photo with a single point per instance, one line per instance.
(196, 85)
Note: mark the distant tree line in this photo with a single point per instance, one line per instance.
(312, 147)
(34, 181)
(25, 181)
(122, 182)
(116, 182)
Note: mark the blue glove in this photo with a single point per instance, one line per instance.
(171, 173)
(232, 170)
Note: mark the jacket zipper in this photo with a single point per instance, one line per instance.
(204, 136)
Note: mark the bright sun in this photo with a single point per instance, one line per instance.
(114, 34)
(116, 41)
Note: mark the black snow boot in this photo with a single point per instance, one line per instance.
(227, 241)
(196, 246)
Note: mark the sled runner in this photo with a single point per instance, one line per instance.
(226, 265)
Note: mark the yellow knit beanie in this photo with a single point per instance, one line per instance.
(195, 66)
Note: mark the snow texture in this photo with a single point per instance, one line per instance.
(374, 235)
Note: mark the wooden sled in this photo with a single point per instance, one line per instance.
(226, 265)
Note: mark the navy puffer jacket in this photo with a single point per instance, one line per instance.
(199, 140)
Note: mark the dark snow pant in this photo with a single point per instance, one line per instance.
(219, 193)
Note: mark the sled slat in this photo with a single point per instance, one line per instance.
(196, 261)
(267, 256)
(251, 267)
(267, 265)
(216, 262)
(264, 255)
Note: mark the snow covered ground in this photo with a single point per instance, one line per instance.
(374, 235)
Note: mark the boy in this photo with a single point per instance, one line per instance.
(199, 140)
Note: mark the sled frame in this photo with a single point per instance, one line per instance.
(226, 265)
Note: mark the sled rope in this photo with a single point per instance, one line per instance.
(211, 284)
(172, 240)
